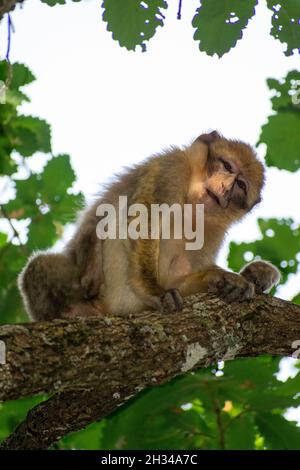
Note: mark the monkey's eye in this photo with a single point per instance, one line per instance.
(226, 165)
(241, 184)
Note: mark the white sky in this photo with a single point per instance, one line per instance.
(109, 107)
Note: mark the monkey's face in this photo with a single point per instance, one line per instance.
(233, 180)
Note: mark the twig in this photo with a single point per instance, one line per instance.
(238, 416)
(9, 30)
(15, 232)
(219, 421)
(179, 10)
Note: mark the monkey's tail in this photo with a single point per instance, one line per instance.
(47, 284)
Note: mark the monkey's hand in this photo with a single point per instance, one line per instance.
(262, 274)
(230, 286)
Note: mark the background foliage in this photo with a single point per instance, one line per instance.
(133, 22)
(237, 406)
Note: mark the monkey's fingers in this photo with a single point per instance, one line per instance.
(240, 294)
(171, 301)
(231, 287)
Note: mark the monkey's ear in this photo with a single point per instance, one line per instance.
(209, 138)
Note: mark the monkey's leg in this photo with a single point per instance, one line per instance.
(262, 274)
(143, 260)
(49, 284)
(227, 285)
(91, 274)
(86, 250)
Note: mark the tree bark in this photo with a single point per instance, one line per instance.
(94, 365)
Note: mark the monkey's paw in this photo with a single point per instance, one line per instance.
(171, 301)
(230, 286)
(262, 274)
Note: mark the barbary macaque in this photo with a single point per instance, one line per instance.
(95, 276)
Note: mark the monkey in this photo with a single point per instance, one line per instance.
(97, 275)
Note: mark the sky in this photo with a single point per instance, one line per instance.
(109, 107)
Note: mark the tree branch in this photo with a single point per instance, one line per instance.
(8, 5)
(94, 365)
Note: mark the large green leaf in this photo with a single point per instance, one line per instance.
(57, 177)
(133, 22)
(42, 232)
(65, 208)
(278, 433)
(21, 75)
(241, 433)
(284, 90)
(285, 23)
(281, 133)
(296, 299)
(282, 136)
(17, 75)
(88, 439)
(219, 25)
(25, 205)
(31, 135)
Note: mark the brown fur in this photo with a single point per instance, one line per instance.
(93, 276)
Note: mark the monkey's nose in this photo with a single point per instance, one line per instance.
(224, 201)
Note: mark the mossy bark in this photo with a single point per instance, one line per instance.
(93, 366)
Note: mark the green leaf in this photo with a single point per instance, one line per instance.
(52, 3)
(57, 177)
(42, 233)
(260, 371)
(65, 208)
(170, 427)
(280, 244)
(31, 135)
(133, 22)
(86, 439)
(241, 433)
(25, 203)
(7, 165)
(278, 433)
(21, 75)
(219, 25)
(285, 23)
(285, 89)
(12, 310)
(12, 259)
(281, 134)
(3, 239)
(296, 299)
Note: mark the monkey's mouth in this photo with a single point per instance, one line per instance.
(213, 196)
